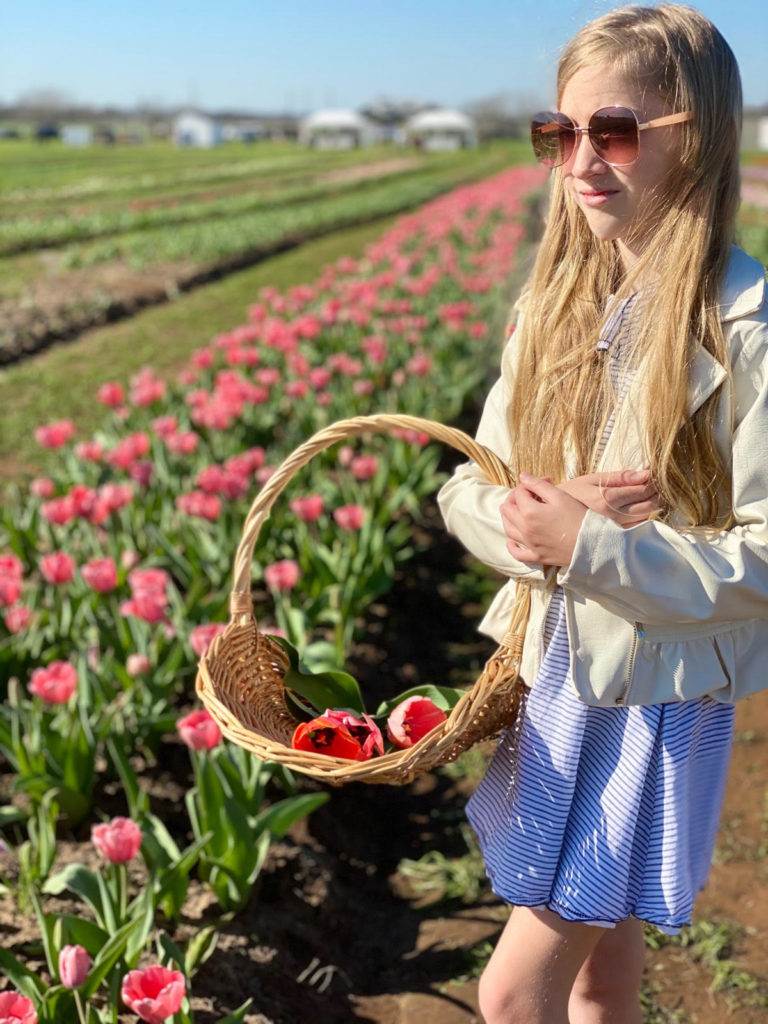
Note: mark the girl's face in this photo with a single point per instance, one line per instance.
(619, 203)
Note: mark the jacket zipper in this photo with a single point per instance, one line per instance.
(639, 633)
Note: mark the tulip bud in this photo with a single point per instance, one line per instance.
(74, 964)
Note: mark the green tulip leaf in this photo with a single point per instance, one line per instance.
(319, 690)
(444, 697)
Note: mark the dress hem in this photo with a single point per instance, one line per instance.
(666, 928)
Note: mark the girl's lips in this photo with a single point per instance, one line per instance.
(596, 197)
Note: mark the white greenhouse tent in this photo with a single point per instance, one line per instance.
(193, 129)
(336, 129)
(441, 129)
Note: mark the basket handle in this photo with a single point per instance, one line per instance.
(240, 602)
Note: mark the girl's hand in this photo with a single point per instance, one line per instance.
(627, 496)
(541, 521)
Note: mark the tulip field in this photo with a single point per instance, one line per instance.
(146, 863)
(114, 576)
(89, 236)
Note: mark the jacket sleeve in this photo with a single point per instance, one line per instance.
(656, 574)
(470, 503)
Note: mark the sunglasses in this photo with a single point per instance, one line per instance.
(614, 134)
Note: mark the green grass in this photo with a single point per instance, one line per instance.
(62, 381)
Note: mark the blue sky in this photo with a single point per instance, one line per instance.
(296, 55)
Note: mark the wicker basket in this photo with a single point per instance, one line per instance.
(240, 676)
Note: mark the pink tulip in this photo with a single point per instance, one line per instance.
(413, 718)
(42, 487)
(89, 451)
(148, 605)
(199, 731)
(282, 575)
(349, 517)
(54, 683)
(137, 665)
(17, 618)
(111, 393)
(308, 508)
(155, 993)
(116, 496)
(141, 472)
(74, 964)
(201, 636)
(183, 443)
(153, 580)
(16, 1009)
(10, 590)
(11, 565)
(200, 505)
(118, 841)
(100, 574)
(58, 567)
(364, 467)
(55, 435)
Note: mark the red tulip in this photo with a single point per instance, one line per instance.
(16, 1009)
(362, 729)
(74, 964)
(118, 841)
(155, 993)
(413, 718)
(199, 731)
(323, 735)
(54, 683)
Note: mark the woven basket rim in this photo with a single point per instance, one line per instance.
(402, 764)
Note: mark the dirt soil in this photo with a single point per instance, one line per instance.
(335, 932)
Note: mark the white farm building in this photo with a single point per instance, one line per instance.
(336, 129)
(441, 129)
(194, 129)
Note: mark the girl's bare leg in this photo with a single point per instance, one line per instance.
(607, 988)
(529, 978)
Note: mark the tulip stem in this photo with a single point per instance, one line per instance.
(122, 893)
(80, 1008)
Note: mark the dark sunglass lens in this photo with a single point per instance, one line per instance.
(552, 138)
(614, 136)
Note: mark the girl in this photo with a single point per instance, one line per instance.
(633, 407)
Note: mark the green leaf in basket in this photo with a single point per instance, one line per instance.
(320, 690)
(444, 697)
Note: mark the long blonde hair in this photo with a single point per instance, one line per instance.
(561, 397)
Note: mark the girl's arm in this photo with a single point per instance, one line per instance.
(657, 574)
(469, 503)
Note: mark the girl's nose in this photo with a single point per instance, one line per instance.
(584, 159)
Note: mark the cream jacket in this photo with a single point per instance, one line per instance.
(654, 613)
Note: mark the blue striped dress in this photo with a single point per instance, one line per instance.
(601, 814)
